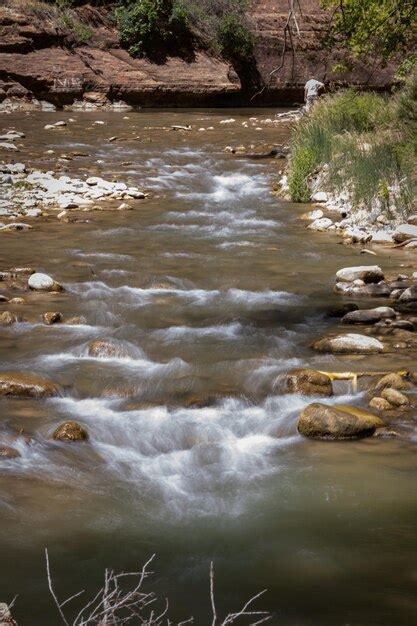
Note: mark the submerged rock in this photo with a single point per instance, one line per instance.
(27, 385)
(6, 452)
(367, 273)
(309, 382)
(43, 282)
(337, 422)
(51, 317)
(7, 318)
(70, 431)
(350, 343)
(106, 350)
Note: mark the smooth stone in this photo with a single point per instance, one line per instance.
(367, 273)
(380, 404)
(17, 301)
(106, 350)
(308, 382)
(320, 224)
(351, 343)
(4, 145)
(319, 196)
(381, 236)
(369, 316)
(395, 397)
(393, 380)
(343, 309)
(337, 422)
(70, 431)
(43, 282)
(76, 321)
(27, 385)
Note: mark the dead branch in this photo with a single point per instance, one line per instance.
(116, 605)
(290, 25)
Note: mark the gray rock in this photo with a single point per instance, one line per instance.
(351, 343)
(369, 316)
(321, 421)
(43, 282)
(367, 273)
(404, 232)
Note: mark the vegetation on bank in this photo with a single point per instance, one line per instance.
(362, 143)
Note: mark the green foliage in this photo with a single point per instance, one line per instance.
(235, 39)
(145, 26)
(81, 32)
(380, 27)
(364, 142)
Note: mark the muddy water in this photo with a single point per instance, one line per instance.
(210, 288)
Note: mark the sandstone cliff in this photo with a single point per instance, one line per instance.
(44, 57)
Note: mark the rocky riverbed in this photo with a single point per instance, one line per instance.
(197, 370)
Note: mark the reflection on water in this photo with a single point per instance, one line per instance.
(206, 291)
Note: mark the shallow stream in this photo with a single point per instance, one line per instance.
(211, 287)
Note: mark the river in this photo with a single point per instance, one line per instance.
(211, 287)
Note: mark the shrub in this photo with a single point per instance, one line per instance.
(235, 39)
(148, 27)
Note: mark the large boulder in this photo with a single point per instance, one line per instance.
(321, 421)
(367, 273)
(70, 431)
(369, 316)
(351, 343)
(308, 382)
(27, 385)
(43, 282)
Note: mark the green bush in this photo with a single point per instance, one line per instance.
(147, 27)
(235, 39)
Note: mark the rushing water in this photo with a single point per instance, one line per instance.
(210, 287)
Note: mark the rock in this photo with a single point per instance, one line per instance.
(369, 316)
(411, 246)
(351, 343)
(404, 324)
(367, 273)
(308, 382)
(312, 215)
(21, 270)
(7, 453)
(337, 422)
(16, 226)
(409, 295)
(380, 404)
(403, 232)
(3, 298)
(70, 431)
(4, 145)
(52, 317)
(17, 301)
(320, 224)
(395, 397)
(395, 381)
(75, 321)
(27, 385)
(105, 350)
(381, 236)
(412, 219)
(7, 318)
(371, 290)
(319, 196)
(43, 282)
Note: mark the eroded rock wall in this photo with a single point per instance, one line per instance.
(42, 57)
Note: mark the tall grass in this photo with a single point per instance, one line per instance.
(367, 142)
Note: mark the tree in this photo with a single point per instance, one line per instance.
(381, 28)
